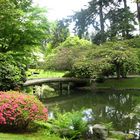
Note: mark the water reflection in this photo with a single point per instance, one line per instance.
(103, 107)
(88, 115)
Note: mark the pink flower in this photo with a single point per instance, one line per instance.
(17, 109)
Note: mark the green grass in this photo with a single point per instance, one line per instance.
(33, 136)
(44, 74)
(120, 83)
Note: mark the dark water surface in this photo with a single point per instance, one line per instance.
(104, 107)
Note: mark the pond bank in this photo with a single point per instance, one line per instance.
(96, 89)
(127, 83)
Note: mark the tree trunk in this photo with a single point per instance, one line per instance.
(118, 71)
(126, 34)
(101, 21)
(125, 3)
(138, 12)
(123, 72)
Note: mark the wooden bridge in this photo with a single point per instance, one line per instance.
(60, 81)
(41, 81)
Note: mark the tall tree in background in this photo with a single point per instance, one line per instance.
(59, 32)
(128, 18)
(81, 23)
(108, 18)
(138, 12)
(94, 15)
(122, 23)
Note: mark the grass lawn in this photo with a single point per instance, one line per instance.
(133, 82)
(33, 136)
(44, 74)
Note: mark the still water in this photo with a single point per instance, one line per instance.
(104, 107)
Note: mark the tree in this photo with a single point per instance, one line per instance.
(58, 33)
(138, 12)
(95, 15)
(22, 28)
(21, 25)
(107, 18)
(120, 56)
(63, 57)
(81, 24)
(121, 23)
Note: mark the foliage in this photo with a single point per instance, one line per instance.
(18, 110)
(115, 57)
(21, 26)
(91, 67)
(75, 42)
(12, 73)
(136, 112)
(125, 60)
(121, 23)
(83, 69)
(63, 57)
(135, 42)
(58, 33)
(84, 61)
(108, 19)
(92, 16)
(69, 124)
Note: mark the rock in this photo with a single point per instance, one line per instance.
(117, 133)
(130, 137)
(122, 135)
(100, 132)
(111, 139)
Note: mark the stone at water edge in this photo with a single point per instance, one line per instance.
(111, 139)
(124, 135)
(100, 132)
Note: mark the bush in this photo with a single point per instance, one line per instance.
(83, 69)
(11, 73)
(18, 110)
(69, 124)
(63, 57)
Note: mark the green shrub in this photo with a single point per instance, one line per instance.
(63, 57)
(18, 110)
(11, 72)
(60, 59)
(70, 124)
(135, 42)
(76, 42)
(83, 69)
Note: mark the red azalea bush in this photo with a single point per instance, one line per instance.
(17, 110)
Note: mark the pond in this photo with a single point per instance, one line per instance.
(105, 107)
